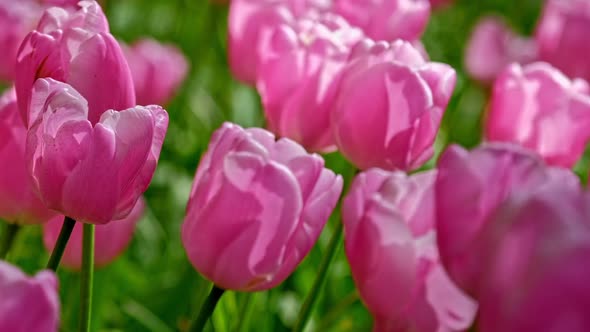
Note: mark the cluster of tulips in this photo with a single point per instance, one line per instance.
(494, 238)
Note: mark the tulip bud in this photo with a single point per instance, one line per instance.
(256, 208)
(93, 173)
(18, 202)
(28, 303)
(298, 78)
(75, 48)
(469, 188)
(539, 108)
(389, 106)
(157, 70)
(389, 226)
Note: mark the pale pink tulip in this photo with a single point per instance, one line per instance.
(93, 173)
(390, 240)
(389, 106)
(110, 240)
(298, 78)
(18, 202)
(539, 108)
(28, 303)
(256, 208)
(157, 69)
(75, 47)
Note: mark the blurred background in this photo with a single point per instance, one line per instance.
(152, 287)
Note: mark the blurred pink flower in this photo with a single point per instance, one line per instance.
(407, 97)
(386, 20)
(390, 239)
(493, 46)
(539, 108)
(75, 47)
(157, 69)
(256, 208)
(562, 36)
(93, 173)
(299, 75)
(18, 202)
(469, 188)
(110, 239)
(28, 303)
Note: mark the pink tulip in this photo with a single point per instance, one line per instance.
(18, 202)
(469, 188)
(391, 247)
(256, 208)
(110, 239)
(493, 46)
(386, 19)
(17, 18)
(535, 253)
(75, 48)
(539, 108)
(298, 78)
(93, 173)
(28, 303)
(562, 36)
(62, 3)
(157, 70)
(407, 97)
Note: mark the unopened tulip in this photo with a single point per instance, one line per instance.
(562, 36)
(17, 18)
(386, 19)
(539, 108)
(110, 239)
(18, 202)
(298, 78)
(389, 226)
(256, 208)
(157, 70)
(28, 303)
(93, 173)
(535, 257)
(75, 47)
(469, 188)
(389, 106)
(493, 46)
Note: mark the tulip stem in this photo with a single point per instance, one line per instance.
(207, 309)
(8, 239)
(245, 310)
(60, 245)
(87, 276)
(307, 306)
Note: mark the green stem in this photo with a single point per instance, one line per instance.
(207, 309)
(60, 245)
(245, 310)
(8, 239)
(307, 306)
(86, 278)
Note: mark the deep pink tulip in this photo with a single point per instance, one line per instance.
(539, 108)
(386, 19)
(389, 224)
(256, 208)
(110, 239)
(562, 36)
(61, 3)
(298, 78)
(18, 202)
(493, 46)
(157, 69)
(535, 253)
(28, 303)
(75, 47)
(407, 97)
(469, 188)
(93, 173)
(17, 18)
